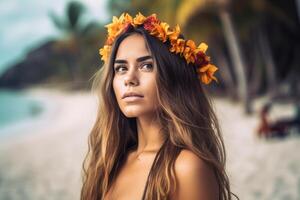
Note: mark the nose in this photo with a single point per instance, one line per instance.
(131, 78)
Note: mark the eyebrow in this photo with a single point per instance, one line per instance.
(140, 59)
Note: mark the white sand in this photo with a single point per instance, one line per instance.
(42, 159)
(259, 168)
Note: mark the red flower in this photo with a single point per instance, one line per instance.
(201, 59)
(149, 23)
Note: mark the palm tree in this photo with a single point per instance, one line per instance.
(240, 25)
(191, 12)
(74, 32)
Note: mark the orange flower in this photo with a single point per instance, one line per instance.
(114, 28)
(139, 19)
(191, 44)
(110, 40)
(188, 52)
(189, 55)
(118, 25)
(127, 19)
(173, 34)
(207, 73)
(177, 46)
(104, 52)
(160, 31)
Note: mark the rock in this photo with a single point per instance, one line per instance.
(34, 69)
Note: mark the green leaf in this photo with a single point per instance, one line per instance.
(57, 21)
(74, 10)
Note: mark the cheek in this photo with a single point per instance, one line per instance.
(151, 90)
(116, 88)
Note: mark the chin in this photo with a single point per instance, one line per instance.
(130, 113)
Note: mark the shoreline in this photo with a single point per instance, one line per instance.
(53, 102)
(44, 157)
(47, 109)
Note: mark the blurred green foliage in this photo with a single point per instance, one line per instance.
(265, 31)
(80, 45)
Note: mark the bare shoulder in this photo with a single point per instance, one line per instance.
(189, 162)
(195, 178)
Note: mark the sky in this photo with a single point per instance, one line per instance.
(25, 24)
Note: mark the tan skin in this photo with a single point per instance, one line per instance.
(135, 71)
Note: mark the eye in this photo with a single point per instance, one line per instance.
(147, 66)
(120, 68)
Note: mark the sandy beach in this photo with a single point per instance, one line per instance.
(259, 169)
(42, 158)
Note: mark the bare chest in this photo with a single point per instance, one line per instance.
(131, 180)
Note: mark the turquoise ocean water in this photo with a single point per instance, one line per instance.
(25, 24)
(16, 106)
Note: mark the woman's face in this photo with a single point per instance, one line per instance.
(134, 81)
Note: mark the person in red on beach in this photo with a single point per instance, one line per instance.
(264, 129)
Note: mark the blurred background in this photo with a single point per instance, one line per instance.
(49, 53)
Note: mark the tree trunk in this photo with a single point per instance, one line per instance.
(269, 62)
(238, 62)
(256, 78)
(224, 72)
(298, 8)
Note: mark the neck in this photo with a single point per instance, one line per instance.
(150, 137)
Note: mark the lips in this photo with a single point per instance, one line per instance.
(132, 94)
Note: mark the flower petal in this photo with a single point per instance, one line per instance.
(203, 47)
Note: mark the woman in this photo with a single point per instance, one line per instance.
(156, 135)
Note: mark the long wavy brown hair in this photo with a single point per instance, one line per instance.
(184, 111)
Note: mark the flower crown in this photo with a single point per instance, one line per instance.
(161, 30)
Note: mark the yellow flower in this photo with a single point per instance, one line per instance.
(104, 52)
(207, 73)
(111, 26)
(139, 19)
(174, 34)
(125, 18)
(128, 19)
(202, 47)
